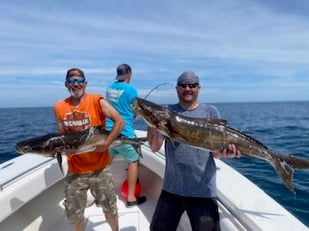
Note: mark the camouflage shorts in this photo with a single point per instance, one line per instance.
(101, 186)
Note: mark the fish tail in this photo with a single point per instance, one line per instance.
(138, 149)
(137, 145)
(134, 140)
(140, 140)
(284, 170)
(285, 166)
(59, 160)
(298, 163)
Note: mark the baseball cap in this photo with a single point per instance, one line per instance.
(75, 72)
(122, 70)
(188, 77)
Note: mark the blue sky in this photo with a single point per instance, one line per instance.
(242, 50)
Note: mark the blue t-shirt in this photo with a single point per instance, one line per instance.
(190, 171)
(121, 95)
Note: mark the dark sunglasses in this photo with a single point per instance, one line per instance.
(73, 80)
(190, 85)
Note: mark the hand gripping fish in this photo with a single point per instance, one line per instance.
(72, 143)
(213, 135)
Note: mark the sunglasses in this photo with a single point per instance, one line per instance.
(73, 80)
(185, 85)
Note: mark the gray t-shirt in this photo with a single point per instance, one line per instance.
(190, 171)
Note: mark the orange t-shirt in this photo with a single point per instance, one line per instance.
(77, 118)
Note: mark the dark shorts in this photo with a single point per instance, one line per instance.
(101, 186)
(202, 212)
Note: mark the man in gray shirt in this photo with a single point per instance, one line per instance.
(190, 174)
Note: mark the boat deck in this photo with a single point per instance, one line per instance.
(130, 219)
(133, 218)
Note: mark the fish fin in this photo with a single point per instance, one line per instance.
(224, 123)
(298, 163)
(285, 166)
(140, 140)
(137, 146)
(284, 169)
(136, 142)
(215, 121)
(252, 139)
(131, 140)
(138, 149)
(59, 160)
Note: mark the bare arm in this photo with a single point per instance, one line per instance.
(155, 139)
(119, 123)
(60, 127)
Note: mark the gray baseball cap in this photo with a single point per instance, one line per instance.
(188, 77)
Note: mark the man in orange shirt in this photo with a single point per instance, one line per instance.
(89, 170)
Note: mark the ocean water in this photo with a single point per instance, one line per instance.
(282, 126)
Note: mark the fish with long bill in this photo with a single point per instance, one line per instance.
(212, 135)
(76, 142)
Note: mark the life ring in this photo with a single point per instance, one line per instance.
(124, 188)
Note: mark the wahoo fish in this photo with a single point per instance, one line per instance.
(76, 142)
(213, 135)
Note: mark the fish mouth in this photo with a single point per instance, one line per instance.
(18, 149)
(22, 149)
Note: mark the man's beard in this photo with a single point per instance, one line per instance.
(76, 93)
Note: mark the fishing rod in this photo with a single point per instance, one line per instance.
(157, 86)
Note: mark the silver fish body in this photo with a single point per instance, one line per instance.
(77, 142)
(213, 135)
(72, 142)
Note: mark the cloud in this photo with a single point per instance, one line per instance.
(233, 45)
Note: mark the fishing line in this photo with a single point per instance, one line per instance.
(156, 87)
(153, 89)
